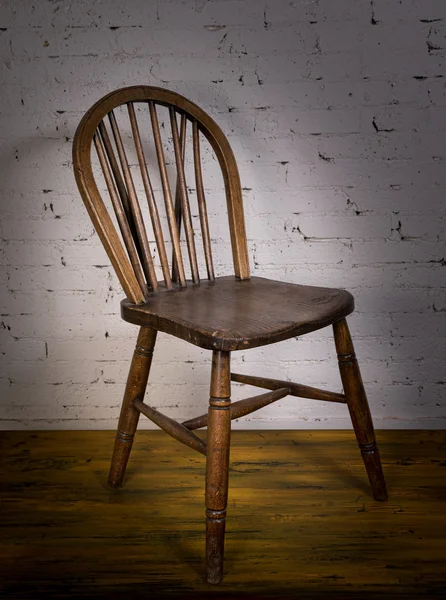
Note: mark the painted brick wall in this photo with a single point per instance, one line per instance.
(336, 111)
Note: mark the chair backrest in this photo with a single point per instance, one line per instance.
(132, 257)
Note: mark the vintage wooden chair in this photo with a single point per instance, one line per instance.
(222, 314)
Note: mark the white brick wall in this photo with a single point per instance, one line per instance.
(336, 111)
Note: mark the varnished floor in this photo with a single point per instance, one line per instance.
(301, 520)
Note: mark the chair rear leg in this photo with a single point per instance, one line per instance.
(135, 388)
(359, 408)
(217, 464)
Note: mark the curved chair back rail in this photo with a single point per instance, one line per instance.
(132, 257)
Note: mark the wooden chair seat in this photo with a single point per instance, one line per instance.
(232, 314)
(132, 201)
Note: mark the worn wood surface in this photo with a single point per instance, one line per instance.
(229, 314)
(123, 215)
(202, 202)
(143, 242)
(178, 215)
(128, 419)
(301, 519)
(217, 464)
(241, 408)
(184, 198)
(358, 407)
(151, 202)
(171, 212)
(296, 389)
(170, 426)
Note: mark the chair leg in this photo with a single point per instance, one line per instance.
(135, 388)
(217, 464)
(359, 408)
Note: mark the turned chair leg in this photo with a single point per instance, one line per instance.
(135, 388)
(359, 408)
(217, 464)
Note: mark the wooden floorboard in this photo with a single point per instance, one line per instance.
(301, 520)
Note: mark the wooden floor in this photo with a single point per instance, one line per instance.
(301, 520)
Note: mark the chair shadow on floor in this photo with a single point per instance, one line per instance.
(185, 545)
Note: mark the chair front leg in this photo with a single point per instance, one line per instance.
(217, 464)
(135, 388)
(359, 408)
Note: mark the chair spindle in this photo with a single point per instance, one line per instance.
(185, 207)
(170, 211)
(122, 190)
(177, 193)
(147, 261)
(120, 213)
(202, 202)
(154, 215)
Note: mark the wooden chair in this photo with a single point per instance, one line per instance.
(222, 314)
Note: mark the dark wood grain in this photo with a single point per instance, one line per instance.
(241, 408)
(217, 464)
(230, 314)
(178, 218)
(146, 257)
(122, 216)
(302, 521)
(359, 408)
(176, 430)
(117, 175)
(168, 202)
(153, 209)
(135, 388)
(204, 224)
(296, 389)
(184, 198)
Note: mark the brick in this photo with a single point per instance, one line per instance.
(409, 10)
(330, 68)
(283, 11)
(396, 197)
(23, 350)
(394, 252)
(275, 39)
(289, 253)
(31, 253)
(46, 229)
(60, 278)
(423, 227)
(385, 146)
(401, 65)
(232, 12)
(332, 227)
